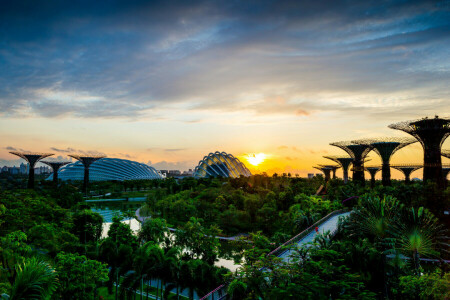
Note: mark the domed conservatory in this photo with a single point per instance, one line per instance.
(108, 169)
(220, 164)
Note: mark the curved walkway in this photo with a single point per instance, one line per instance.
(327, 223)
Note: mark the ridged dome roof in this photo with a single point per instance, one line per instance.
(109, 169)
(221, 164)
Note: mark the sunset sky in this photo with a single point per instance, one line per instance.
(167, 82)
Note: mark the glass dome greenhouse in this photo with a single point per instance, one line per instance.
(220, 164)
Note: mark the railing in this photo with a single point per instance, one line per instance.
(280, 250)
(304, 233)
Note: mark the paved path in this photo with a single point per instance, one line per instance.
(329, 225)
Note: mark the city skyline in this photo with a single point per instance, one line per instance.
(165, 84)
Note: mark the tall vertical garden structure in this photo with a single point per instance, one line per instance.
(431, 133)
(87, 161)
(32, 158)
(372, 171)
(386, 147)
(358, 152)
(326, 171)
(333, 169)
(56, 165)
(344, 162)
(407, 169)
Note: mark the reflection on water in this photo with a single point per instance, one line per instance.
(108, 211)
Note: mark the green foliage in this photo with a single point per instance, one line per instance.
(78, 275)
(121, 233)
(36, 279)
(425, 286)
(154, 229)
(87, 225)
(199, 242)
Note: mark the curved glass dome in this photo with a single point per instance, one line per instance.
(108, 169)
(220, 164)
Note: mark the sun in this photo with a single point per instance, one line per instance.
(255, 158)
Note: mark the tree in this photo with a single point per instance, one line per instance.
(35, 279)
(121, 233)
(87, 225)
(418, 233)
(79, 276)
(199, 242)
(154, 230)
(13, 251)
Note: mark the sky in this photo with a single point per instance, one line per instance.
(167, 82)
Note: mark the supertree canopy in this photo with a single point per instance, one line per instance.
(332, 167)
(373, 170)
(55, 165)
(431, 133)
(87, 161)
(358, 152)
(386, 147)
(344, 162)
(407, 169)
(32, 158)
(326, 171)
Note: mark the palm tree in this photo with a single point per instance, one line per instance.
(419, 233)
(374, 218)
(35, 279)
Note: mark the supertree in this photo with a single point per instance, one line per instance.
(332, 167)
(431, 133)
(386, 147)
(87, 161)
(358, 152)
(55, 165)
(326, 171)
(32, 158)
(407, 169)
(373, 170)
(344, 162)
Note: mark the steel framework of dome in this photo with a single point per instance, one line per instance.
(344, 162)
(221, 164)
(56, 165)
(326, 171)
(431, 133)
(407, 169)
(109, 169)
(358, 152)
(446, 153)
(373, 170)
(386, 147)
(32, 158)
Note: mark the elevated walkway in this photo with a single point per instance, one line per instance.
(327, 223)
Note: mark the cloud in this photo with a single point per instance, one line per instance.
(174, 149)
(282, 147)
(10, 148)
(165, 165)
(70, 150)
(135, 59)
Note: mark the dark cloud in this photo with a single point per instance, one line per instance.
(128, 59)
(10, 148)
